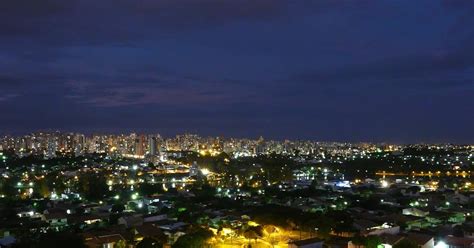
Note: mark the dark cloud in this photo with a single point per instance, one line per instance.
(334, 70)
(162, 89)
(7, 97)
(447, 67)
(406, 68)
(88, 22)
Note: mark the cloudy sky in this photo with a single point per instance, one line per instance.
(400, 71)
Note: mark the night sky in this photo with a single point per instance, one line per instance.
(397, 71)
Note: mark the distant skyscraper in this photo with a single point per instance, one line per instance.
(140, 145)
(52, 148)
(152, 146)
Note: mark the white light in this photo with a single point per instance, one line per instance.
(205, 171)
(441, 244)
(140, 205)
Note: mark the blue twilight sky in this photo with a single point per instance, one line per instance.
(399, 71)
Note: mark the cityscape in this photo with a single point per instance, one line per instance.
(236, 124)
(145, 190)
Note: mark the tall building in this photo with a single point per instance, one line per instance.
(152, 146)
(52, 148)
(140, 145)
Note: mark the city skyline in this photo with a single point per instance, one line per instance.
(152, 147)
(236, 124)
(351, 71)
(165, 136)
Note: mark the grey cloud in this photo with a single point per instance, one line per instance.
(7, 97)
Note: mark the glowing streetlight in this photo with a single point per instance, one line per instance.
(205, 171)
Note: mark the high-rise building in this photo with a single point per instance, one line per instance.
(140, 145)
(52, 147)
(152, 146)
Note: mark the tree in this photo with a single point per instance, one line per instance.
(149, 243)
(54, 182)
(196, 239)
(120, 244)
(150, 189)
(368, 242)
(205, 193)
(314, 183)
(113, 218)
(7, 187)
(8, 213)
(117, 208)
(93, 186)
(62, 239)
(373, 241)
(41, 189)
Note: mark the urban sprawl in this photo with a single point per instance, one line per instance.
(61, 189)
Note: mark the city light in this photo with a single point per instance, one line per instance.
(246, 199)
(441, 244)
(205, 171)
